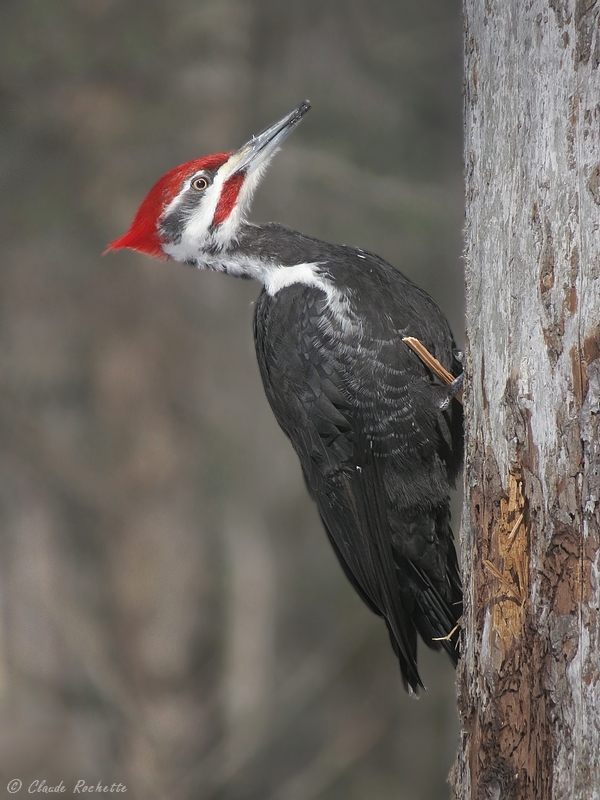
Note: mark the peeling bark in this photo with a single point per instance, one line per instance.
(529, 679)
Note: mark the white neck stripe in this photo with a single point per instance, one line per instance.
(277, 278)
(273, 276)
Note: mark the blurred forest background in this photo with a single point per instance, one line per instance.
(171, 615)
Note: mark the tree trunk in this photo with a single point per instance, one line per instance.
(529, 679)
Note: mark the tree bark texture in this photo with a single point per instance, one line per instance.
(529, 679)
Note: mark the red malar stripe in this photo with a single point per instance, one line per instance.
(229, 196)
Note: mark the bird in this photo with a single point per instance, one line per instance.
(379, 439)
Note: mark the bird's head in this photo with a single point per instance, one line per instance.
(199, 206)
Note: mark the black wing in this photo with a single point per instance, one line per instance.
(361, 413)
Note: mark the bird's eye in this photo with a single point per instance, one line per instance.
(199, 184)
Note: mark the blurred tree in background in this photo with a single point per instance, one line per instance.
(172, 617)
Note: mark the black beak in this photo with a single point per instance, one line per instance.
(261, 147)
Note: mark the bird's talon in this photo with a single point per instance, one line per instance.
(448, 636)
(459, 355)
(451, 390)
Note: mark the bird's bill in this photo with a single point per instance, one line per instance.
(260, 148)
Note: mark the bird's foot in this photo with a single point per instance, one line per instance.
(451, 390)
(449, 636)
(453, 386)
(459, 355)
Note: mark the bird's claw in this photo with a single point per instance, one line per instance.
(448, 636)
(459, 356)
(451, 390)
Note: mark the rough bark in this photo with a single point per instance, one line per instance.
(529, 680)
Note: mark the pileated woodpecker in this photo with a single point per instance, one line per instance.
(379, 440)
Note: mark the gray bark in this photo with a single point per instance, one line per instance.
(529, 680)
